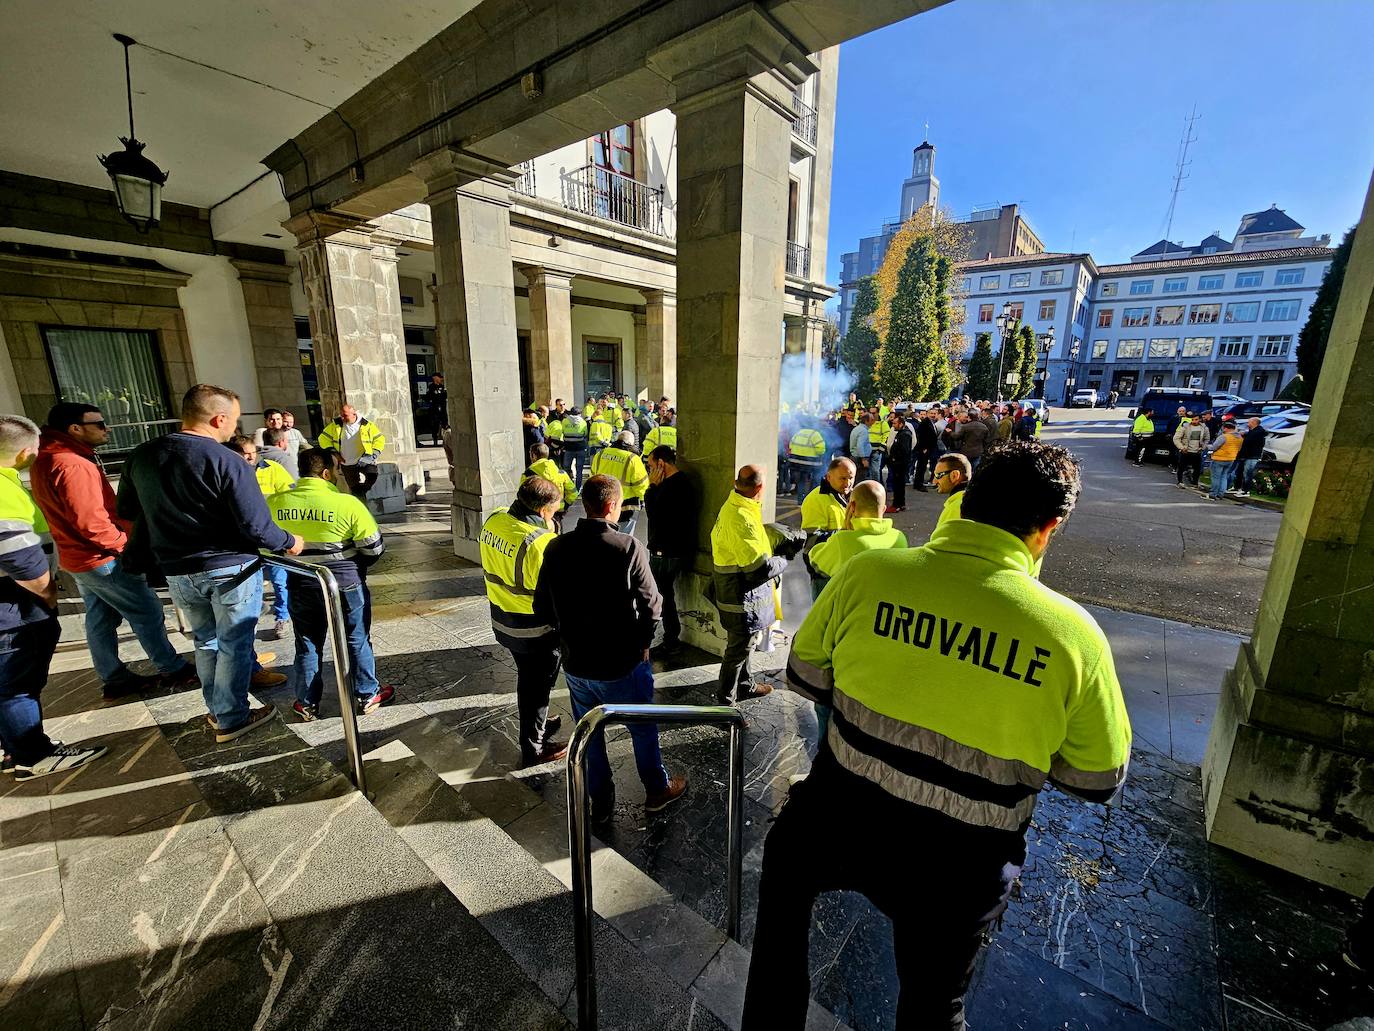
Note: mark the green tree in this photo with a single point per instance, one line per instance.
(1026, 357)
(907, 356)
(982, 369)
(859, 349)
(942, 379)
(1316, 331)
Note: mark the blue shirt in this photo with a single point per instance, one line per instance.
(860, 444)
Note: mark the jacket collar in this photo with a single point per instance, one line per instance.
(50, 440)
(600, 527)
(521, 513)
(752, 509)
(979, 540)
(843, 499)
(872, 525)
(314, 484)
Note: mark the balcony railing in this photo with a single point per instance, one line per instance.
(803, 121)
(602, 193)
(524, 185)
(798, 260)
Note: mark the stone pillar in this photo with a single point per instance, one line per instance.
(796, 377)
(641, 390)
(1289, 772)
(469, 201)
(815, 356)
(272, 329)
(348, 272)
(551, 350)
(660, 344)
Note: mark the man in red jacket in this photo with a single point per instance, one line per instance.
(69, 485)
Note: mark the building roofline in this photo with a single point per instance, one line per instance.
(1222, 258)
(1044, 258)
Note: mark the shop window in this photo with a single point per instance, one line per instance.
(118, 370)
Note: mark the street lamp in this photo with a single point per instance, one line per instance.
(1005, 325)
(1072, 377)
(137, 181)
(1047, 345)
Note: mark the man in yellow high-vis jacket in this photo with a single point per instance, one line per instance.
(360, 445)
(620, 462)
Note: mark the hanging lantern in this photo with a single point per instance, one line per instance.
(137, 181)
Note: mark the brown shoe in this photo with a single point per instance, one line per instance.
(552, 751)
(754, 691)
(256, 718)
(663, 799)
(267, 678)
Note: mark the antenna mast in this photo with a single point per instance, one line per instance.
(1180, 174)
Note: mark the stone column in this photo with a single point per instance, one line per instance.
(641, 390)
(551, 350)
(815, 356)
(272, 328)
(796, 377)
(660, 344)
(1289, 772)
(348, 272)
(469, 201)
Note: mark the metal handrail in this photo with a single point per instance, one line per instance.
(580, 830)
(605, 193)
(345, 676)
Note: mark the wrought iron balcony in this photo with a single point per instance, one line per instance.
(798, 260)
(525, 184)
(803, 121)
(602, 193)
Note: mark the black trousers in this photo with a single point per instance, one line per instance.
(535, 673)
(736, 671)
(899, 471)
(666, 569)
(925, 464)
(1190, 462)
(941, 883)
(360, 479)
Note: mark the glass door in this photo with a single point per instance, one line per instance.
(119, 371)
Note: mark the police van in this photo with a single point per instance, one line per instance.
(1162, 405)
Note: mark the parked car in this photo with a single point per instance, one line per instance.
(1286, 431)
(1042, 409)
(1163, 403)
(1084, 398)
(1246, 409)
(1228, 399)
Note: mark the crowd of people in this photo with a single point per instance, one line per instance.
(1232, 454)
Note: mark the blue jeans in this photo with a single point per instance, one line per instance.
(636, 688)
(308, 618)
(222, 606)
(805, 477)
(276, 576)
(112, 596)
(1247, 472)
(875, 466)
(25, 655)
(1221, 477)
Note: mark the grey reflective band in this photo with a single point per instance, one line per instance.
(519, 592)
(1071, 776)
(729, 570)
(15, 524)
(520, 553)
(521, 631)
(19, 542)
(812, 681)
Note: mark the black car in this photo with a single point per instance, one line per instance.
(1163, 403)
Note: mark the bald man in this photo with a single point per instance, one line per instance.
(745, 571)
(865, 529)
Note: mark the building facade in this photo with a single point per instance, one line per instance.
(997, 230)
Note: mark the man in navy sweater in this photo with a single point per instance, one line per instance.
(200, 510)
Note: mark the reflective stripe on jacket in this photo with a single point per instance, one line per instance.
(25, 550)
(660, 436)
(512, 549)
(744, 566)
(628, 468)
(807, 447)
(1016, 682)
(339, 532)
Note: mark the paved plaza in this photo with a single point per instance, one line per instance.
(178, 884)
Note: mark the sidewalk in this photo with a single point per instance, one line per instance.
(1126, 920)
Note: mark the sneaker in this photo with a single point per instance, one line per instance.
(256, 718)
(1182, 485)
(889, 510)
(307, 712)
(1242, 493)
(282, 631)
(661, 800)
(267, 678)
(182, 680)
(6, 763)
(130, 683)
(552, 726)
(382, 696)
(62, 760)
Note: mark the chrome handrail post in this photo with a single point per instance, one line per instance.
(734, 829)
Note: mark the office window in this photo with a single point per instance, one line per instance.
(1272, 346)
(1015, 309)
(1046, 310)
(966, 284)
(1224, 381)
(1130, 348)
(1052, 277)
(1282, 311)
(984, 313)
(1108, 290)
(1288, 276)
(1176, 286)
(1247, 279)
(1204, 314)
(1099, 350)
(1164, 348)
(615, 150)
(1242, 311)
(990, 283)
(1157, 380)
(1169, 315)
(1019, 279)
(1197, 347)
(1135, 316)
(1104, 318)
(1080, 315)
(1210, 282)
(1143, 286)
(1234, 347)
(1259, 382)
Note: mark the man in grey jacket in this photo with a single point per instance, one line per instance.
(1190, 441)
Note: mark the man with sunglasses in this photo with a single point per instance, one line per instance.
(70, 488)
(952, 473)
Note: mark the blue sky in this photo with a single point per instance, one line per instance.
(1074, 109)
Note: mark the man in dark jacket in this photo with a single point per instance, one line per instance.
(1251, 451)
(605, 645)
(745, 568)
(927, 448)
(674, 511)
(206, 520)
(899, 461)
